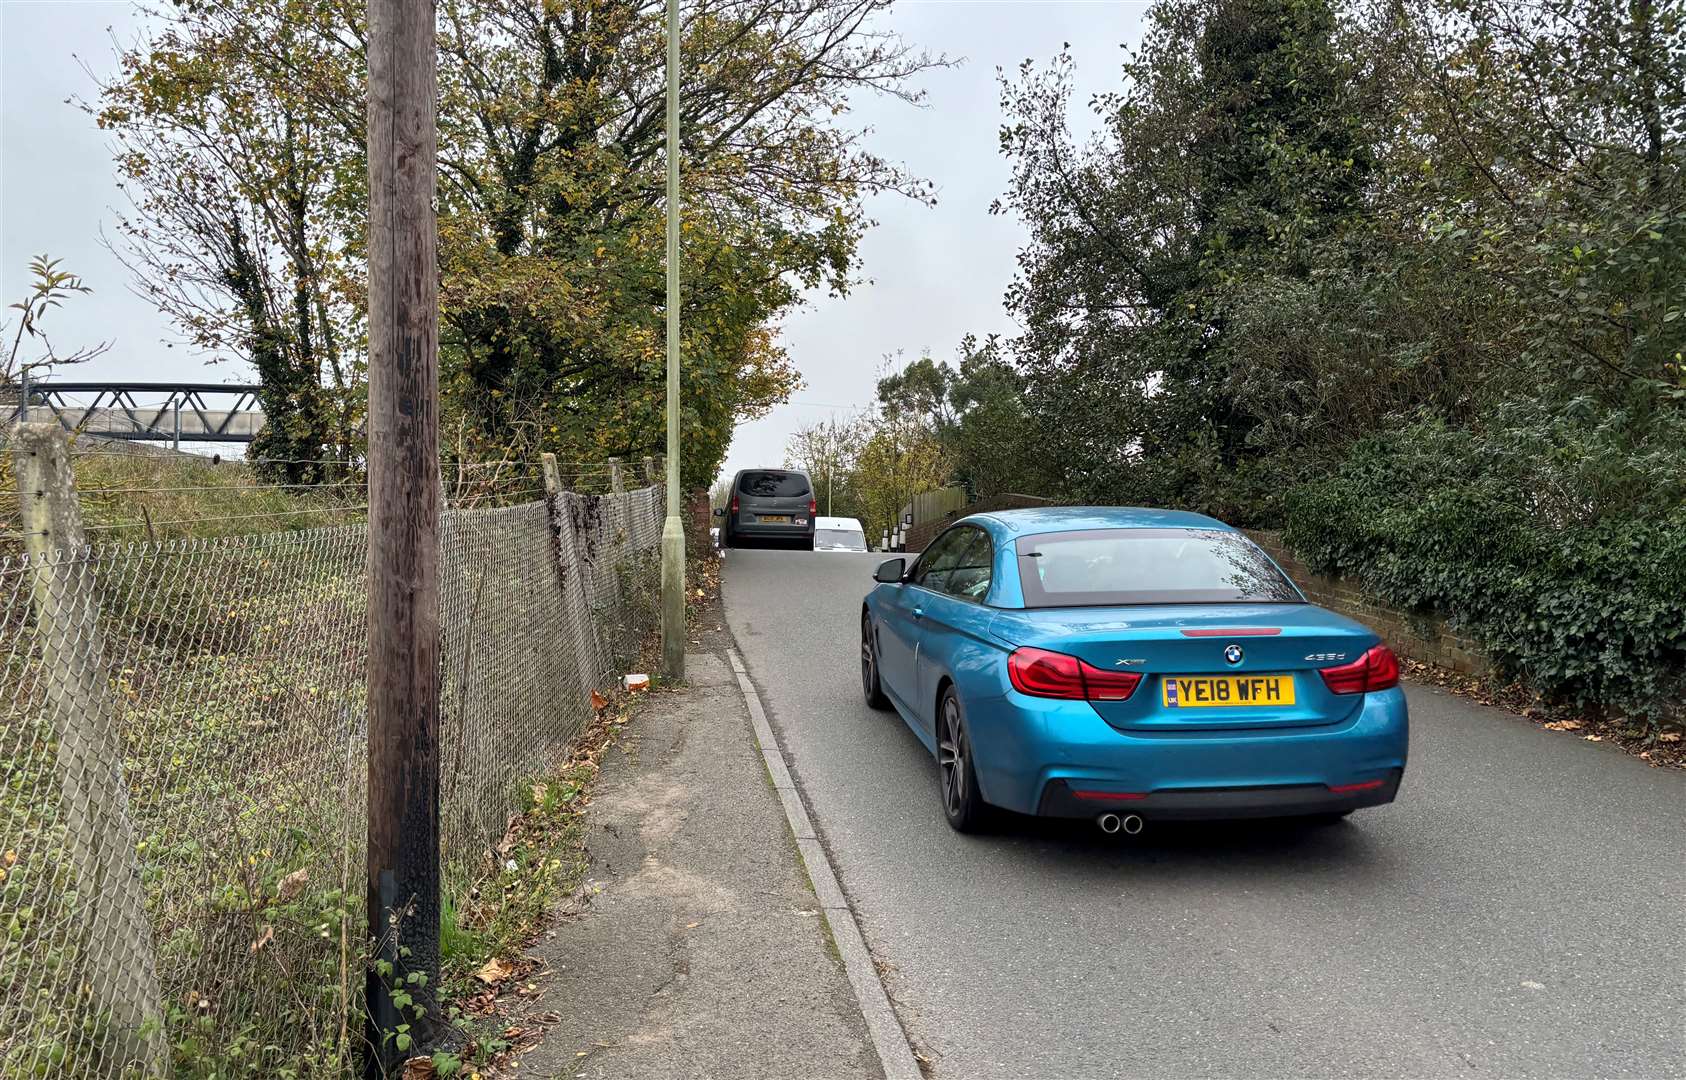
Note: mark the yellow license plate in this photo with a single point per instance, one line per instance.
(776, 519)
(1221, 691)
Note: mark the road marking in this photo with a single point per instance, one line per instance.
(888, 1038)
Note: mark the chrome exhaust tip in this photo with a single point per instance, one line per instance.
(1110, 823)
(1133, 824)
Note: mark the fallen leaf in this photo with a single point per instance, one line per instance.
(293, 884)
(692, 925)
(1669, 736)
(493, 971)
(419, 1068)
(1563, 725)
(264, 938)
(598, 701)
(1593, 738)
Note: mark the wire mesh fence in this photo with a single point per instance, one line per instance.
(182, 729)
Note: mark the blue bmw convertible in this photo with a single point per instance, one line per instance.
(1128, 665)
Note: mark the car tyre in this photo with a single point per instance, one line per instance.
(963, 803)
(870, 684)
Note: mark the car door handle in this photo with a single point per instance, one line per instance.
(918, 613)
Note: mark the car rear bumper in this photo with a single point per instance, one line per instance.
(1060, 799)
(1033, 754)
(791, 531)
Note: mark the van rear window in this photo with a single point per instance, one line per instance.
(773, 485)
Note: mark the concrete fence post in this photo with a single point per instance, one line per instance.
(621, 521)
(570, 569)
(552, 476)
(650, 476)
(117, 963)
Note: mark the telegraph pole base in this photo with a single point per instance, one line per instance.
(673, 599)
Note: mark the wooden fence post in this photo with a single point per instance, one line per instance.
(649, 471)
(617, 478)
(117, 960)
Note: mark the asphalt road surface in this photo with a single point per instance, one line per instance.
(1518, 913)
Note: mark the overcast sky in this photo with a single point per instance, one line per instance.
(933, 274)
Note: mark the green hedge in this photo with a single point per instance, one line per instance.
(1587, 607)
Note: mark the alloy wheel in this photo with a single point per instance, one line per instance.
(951, 758)
(869, 662)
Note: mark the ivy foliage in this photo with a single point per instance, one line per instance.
(1591, 614)
(1407, 280)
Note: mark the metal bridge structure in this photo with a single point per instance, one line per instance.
(167, 412)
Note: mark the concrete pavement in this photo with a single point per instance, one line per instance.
(1517, 913)
(700, 949)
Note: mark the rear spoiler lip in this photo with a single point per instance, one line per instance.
(1012, 627)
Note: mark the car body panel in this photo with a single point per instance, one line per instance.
(1030, 752)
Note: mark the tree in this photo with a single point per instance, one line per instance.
(240, 129)
(976, 411)
(239, 139)
(1205, 174)
(829, 452)
(900, 459)
(49, 288)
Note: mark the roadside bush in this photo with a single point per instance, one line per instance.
(1587, 604)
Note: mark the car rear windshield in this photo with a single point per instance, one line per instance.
(773, 485)
(1103, 567)
(840, 539)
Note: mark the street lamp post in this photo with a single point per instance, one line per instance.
(673, 534)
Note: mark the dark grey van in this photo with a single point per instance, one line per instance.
(770, 505)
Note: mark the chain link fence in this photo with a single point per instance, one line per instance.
(182, 731)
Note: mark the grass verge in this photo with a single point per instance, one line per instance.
(494, 913)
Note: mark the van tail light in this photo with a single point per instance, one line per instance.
(1377, 669)
(734, 504)
(813, 507)
(1041, 673)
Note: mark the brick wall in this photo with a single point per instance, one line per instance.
(1424, 638)
(697, 516)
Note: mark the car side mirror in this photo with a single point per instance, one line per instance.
(890, 571)
(719, 511)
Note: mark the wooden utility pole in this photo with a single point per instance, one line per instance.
(404, 504)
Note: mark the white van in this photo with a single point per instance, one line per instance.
(838, 534)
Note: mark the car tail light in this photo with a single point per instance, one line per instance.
(1104, 685)
(1377, 669)
(1041, 673)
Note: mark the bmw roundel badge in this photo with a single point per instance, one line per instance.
(1232, 654)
